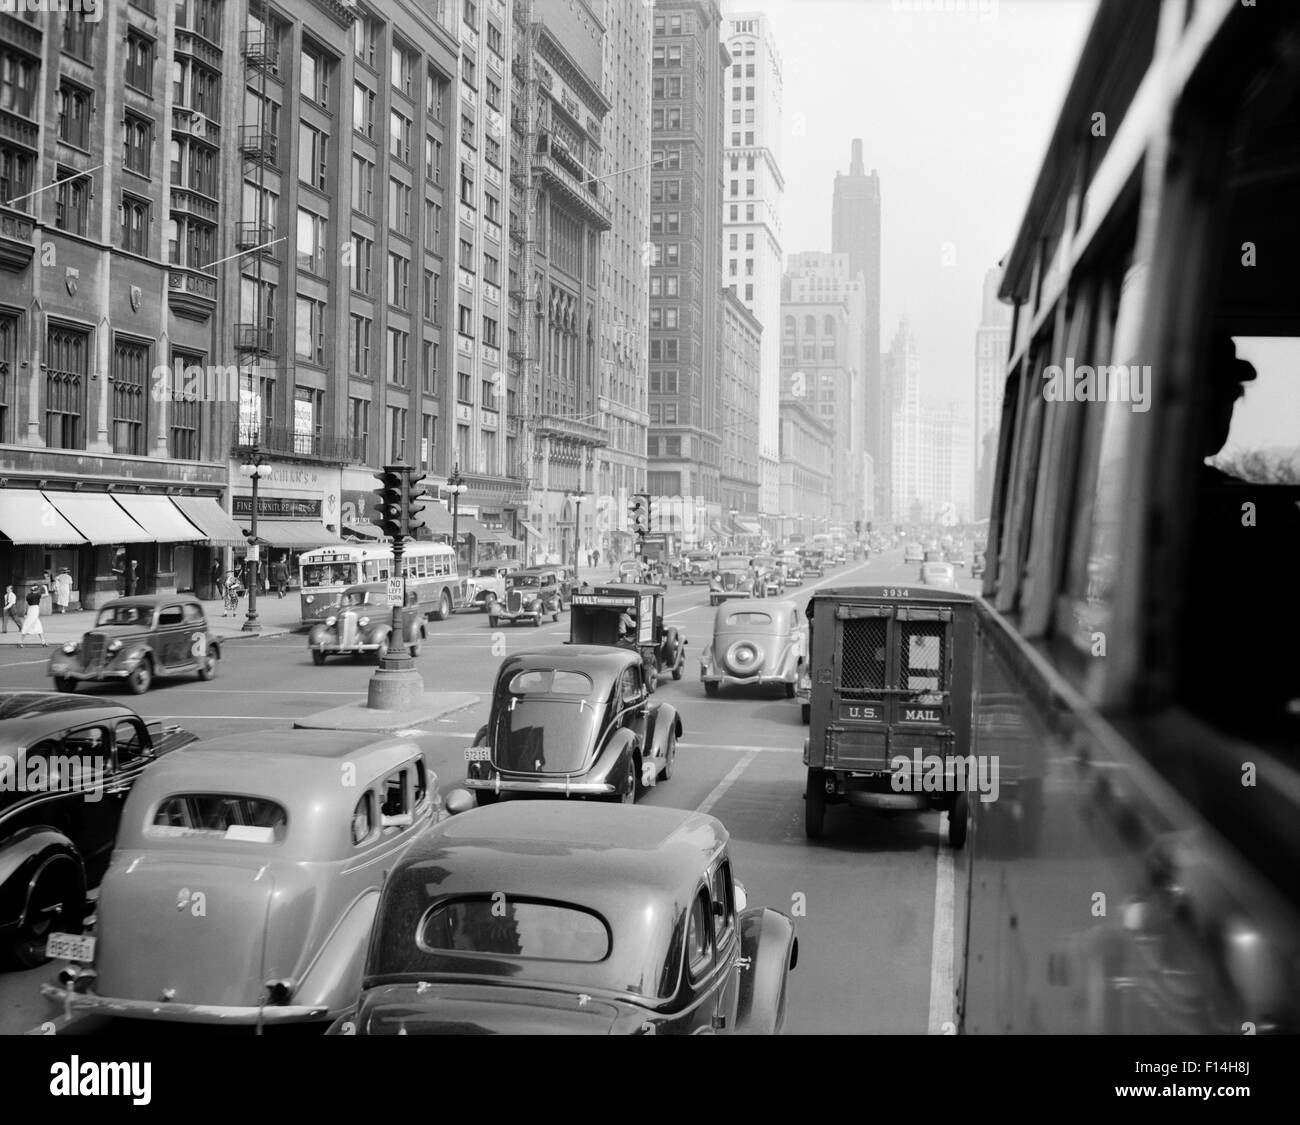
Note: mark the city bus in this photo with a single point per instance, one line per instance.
(432, 581)
(1134, 660)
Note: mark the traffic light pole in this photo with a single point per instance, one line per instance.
(396, 685)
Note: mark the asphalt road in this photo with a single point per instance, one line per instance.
(871, 901)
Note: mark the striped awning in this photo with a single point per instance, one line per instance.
(211, 519)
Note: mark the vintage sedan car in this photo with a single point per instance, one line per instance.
(756, 642)
(138, 639)
(573, 721)
(549, 919)
(65, 765)
(814, 564)
(913, 553)
(246, 876)
(696, 567)
(632, 570)
(769, 574)
(487, 583)
(732, 579)
(530, 595)
(792, 566)
(364, 623)
(938, 574)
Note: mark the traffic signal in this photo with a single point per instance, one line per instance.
(392, 500)
(857, 527)
(414, 502)
(639, 510)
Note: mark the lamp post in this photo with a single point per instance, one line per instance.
(577, 496)
(733, 513)
(254, 468)
(456, 487)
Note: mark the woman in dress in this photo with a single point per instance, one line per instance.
(32, 622)
(230, 592)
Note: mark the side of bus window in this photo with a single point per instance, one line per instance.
(1022, 479)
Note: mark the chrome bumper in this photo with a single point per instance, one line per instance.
(566, 787)
(88, 1002)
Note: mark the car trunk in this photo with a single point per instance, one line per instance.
(547, 736)
(434, 1009)
(184, 929)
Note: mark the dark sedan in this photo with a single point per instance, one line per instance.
(548, 919)
(573, 721)
(66, 764)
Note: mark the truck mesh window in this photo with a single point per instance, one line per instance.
(924, 664)
(862, 655)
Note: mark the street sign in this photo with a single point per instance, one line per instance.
(254, 552)
(395, 591)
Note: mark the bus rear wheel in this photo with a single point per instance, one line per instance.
(444, 607)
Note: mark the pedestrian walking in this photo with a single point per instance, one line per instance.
(62, 590)
(280, 576)
(32, 622)
(216, 577)
(231, 589)
(10, 612)
(132, 578)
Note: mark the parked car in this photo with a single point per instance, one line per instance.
(573, 721)
(246, 876)
(548, 919)
(530, 595)
(696, 567)
(732, 579)
(65, 764)
(938, 574)
(364, 624)
(913, 553)
(633, 617)
(487, 583)
(138, 639)
(756, 642)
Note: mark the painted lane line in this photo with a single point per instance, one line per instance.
(942, 999)
(727, 782)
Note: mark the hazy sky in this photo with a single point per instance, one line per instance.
(955, 110)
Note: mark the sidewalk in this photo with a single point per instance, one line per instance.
(276, 616)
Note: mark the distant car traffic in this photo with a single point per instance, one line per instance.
(756, 642)
(913, 553)
(364, 624)
(487, 582)
(732, 579)
(138, 639)
(530, 595)
(938, 574)
(246, 877)
(573, 721)
(696, 567)
(69, 762)
(541, 919)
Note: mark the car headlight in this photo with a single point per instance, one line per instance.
(329, 622)
(114, 646)
(311, 598)
(70, 648)
(363, 622)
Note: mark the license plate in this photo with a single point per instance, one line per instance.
(478, 754)
(70, 947)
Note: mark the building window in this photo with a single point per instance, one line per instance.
(313, 156)
(674, 56)
(399, 207)
(749, 187)
(359, 344)
(428, 437)
(76, 33)
(749, 241)
(130, 395)
(467, 183)
(363, 186)
(71, 201)
(491, 269)
(431, 284)
(139, 62)
(363, 110)
(313, 239)
(137, 143)
(433, 159)
(363, 40)
(672, 445)
(399, 276)
(399, 137)
(67, 353)
(429, 366)
(749, 292)
(135, 224)
(362, 253)
(494, 39)
(398, 342)
(313, 77)
(490, 332)
(74, 115)
(309, 330)
(308, 419)
(672, 253)
(359, 427)
(462, 388)
(749, 212)
(465, 320)
(396, 434)
(401, 68)
(184, 413)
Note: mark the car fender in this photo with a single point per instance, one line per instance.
(768, 950)
(131, 654)
(333, 979)
(613, 755)
(26, 853)
(664, 720)
(319, 634)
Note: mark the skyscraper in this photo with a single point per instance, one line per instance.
(753, 186)
(855, 231)
(905, 470)
(992, 338)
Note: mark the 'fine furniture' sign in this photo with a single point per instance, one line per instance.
(277, 507)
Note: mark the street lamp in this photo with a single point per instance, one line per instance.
(577, 496)
(733, 513)
(456, 487)
(255, 468)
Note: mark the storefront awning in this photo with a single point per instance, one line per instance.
(501, 539)
(99, 517)
(27, 517)
(295, 533)
(161, 519)
(747, 528)
(363, 529)
(209, 517)
(468, 525)
(528, 527)
(437, 519)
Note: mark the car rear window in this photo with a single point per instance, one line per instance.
(507, 927)
(550, 681)
(219, 816)
(749, 617)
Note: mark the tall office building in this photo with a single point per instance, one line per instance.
(624, 276)
(741, 382)
(855, 231)
(992, 339)
(905, 469)
(945, 478)
(753, 131)
(684, 448)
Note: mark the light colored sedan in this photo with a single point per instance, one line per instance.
(938, 574)
(756, 642)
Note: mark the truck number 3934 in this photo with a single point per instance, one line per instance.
(897, 592)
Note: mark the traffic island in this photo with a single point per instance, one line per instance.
(417, 712)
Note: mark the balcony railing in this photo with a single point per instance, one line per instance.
(254, 236)
(260, 50)
(257, 338)
(256, 143)
(285, 441)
